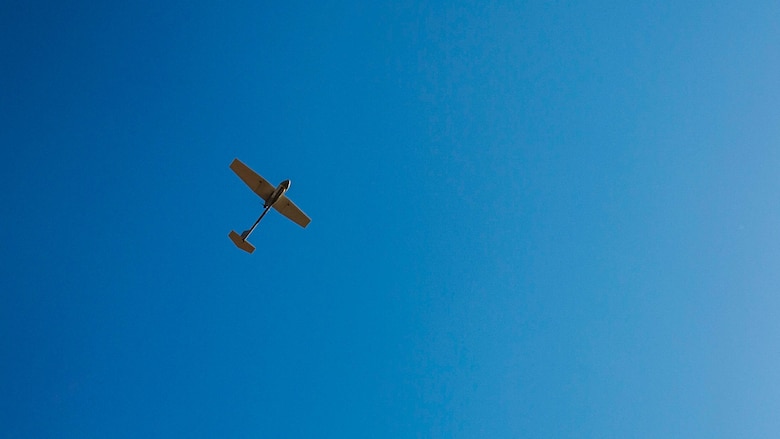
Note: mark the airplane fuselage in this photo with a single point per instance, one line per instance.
(278, 192)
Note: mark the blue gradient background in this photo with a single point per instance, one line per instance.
(530, 219)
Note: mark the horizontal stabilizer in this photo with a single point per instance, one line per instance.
(241, 242)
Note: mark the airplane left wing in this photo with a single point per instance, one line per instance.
(252, 179)
(291, 211)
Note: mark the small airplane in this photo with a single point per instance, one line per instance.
(273, 197)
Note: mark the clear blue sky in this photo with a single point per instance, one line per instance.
(529, 219)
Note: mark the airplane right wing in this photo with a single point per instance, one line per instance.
(291, 211)
(255, 182)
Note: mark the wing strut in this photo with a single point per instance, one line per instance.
(241, 240)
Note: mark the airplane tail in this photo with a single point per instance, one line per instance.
(240, 242)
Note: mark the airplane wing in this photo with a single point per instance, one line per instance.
(255, 182)
(291, 211)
